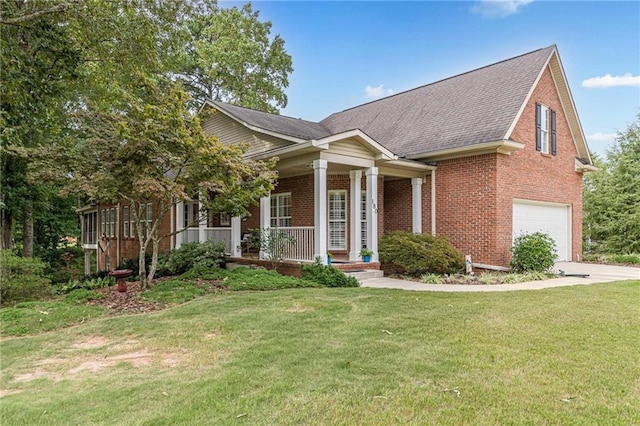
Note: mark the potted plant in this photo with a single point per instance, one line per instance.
(328, 258)
(366, 254)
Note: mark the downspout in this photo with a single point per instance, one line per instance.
(433, 202)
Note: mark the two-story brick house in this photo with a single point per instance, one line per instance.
(479, 158)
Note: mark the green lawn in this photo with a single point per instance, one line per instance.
(340, 356)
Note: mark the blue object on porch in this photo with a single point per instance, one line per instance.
(366, 258)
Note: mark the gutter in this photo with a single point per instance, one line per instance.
(501, 147)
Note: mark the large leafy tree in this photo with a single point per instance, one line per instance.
(39, 62)
(151, 151)
(57, 55)
(232, 57)
(611, 197)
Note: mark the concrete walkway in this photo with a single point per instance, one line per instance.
(597, 274)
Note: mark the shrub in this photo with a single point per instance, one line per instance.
(418, 254)
(533, 252)
(22, 279)
(86, 284)
(134, 265)
(327, 276)
(208, 254)
(432, 279)
(82, 295)
(632, 259)
(261, 279)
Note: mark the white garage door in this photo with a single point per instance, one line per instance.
(553, 219)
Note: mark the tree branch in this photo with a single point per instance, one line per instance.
(35, 15)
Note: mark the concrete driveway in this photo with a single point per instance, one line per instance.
(597, 274)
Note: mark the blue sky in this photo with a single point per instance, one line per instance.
(348, 53)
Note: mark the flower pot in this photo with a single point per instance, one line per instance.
(366, 258)
(328, 261)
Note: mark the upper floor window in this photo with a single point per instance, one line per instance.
(545, 129)
(281, 210)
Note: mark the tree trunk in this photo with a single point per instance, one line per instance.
(6, 229)
(27, 231)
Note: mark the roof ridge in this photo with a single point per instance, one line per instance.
(263, 112)
(553, 46)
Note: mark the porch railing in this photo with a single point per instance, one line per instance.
(220, 234)
(304, 244)
(192, 235)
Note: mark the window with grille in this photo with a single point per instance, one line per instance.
(125, 222)
(103, 222)
(281, 210)
(149, 218)
(191, 214)
(113, 222)
(363, 219)
(337, 220)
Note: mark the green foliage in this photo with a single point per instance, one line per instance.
(241, 279)
(432, 279)
(418, 254)
(37, 317)
(533, 252)
(327, 276)
(210, 254)
(22, 279)
(204, 273)
(626, 259)
(232, 57)
(173, 291)
(611, 196)
(82, 295)
(89, 283)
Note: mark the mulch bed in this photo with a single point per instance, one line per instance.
(132, 301)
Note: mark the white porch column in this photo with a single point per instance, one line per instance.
(202, 224)
(236, 250)
(372, 212)
(179, 224)
(265, 220)
(356, 214)
(320, 209)
(416, 205)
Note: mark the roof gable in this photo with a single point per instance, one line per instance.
(474, 107)
(453, 115)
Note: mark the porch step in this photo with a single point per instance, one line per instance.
(365, 274)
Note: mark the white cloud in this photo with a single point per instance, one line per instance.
(612, 81)
(601, 137)
(377, 92)
(498, 8)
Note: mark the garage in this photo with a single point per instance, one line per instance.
(550, 218)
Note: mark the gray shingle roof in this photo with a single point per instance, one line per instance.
(470, 108)
(289, 126)
(475, 107)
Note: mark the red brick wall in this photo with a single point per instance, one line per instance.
(398, 205)
(302, 208)
(129, 247)
(531, 175)
(465, 205)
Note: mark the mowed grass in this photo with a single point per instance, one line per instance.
(341, 356)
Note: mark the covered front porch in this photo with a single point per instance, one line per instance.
(330, 201)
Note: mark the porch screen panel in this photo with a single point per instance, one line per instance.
(337, 220)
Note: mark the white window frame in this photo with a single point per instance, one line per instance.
(191, 217)
(113, 222)
(337, 224)
(279, 204)
(103, 222)
(149, 218)
(363, 219)
(132, 222)
(125, 222)
(225, 219)
(544, 129)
